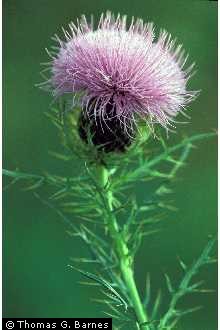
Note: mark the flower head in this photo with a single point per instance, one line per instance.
(121, 71)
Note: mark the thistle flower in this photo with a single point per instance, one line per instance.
(121, 72)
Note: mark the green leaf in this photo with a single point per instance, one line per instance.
(59, 156)
(21, 175)
(156, 305)
(169, 284)
(182, 264)
(104, 283)
(147, 291)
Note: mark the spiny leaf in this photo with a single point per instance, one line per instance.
(94, 236)
(156, 305)
(88, 283)
(149, 232)
(58, 212)
(181, 160)
(84, 260)
(158, 174)
(117, 327)
(195, 286)
(182, 264)
(36, 185)
(211, 260)
(132, 217)
(14, 181)
(104, 283)
(204, 290)
(113, 298)
(184, 142)
(143, 170)
(147, 208)
(172, 325)
(147, 291)
(59, 194)
(114, 316)
(21, 175)
(163, 190)
(202, 260)
(167, 206)
(169, 284)
(60, 156)
(188, 311)
(184, 287)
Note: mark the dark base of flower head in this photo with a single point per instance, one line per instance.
(109, 134)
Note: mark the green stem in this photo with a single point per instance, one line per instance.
(122, 252)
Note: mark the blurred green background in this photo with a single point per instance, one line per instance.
(36, 249)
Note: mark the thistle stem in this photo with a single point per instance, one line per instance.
(122, 251)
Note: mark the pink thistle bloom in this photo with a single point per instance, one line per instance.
(122, 66)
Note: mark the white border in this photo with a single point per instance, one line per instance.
(218, 164)
(1, 163)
